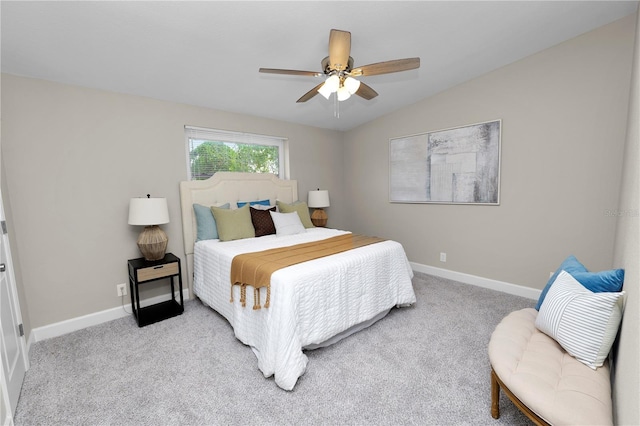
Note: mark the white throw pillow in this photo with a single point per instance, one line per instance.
(584, 323)
(287, 223)
(261, 207)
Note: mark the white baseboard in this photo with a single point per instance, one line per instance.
(58, 329)
(517, 290)
(63, 327)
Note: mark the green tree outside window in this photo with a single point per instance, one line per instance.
(208, 157)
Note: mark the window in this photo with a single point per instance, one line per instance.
(210, 151)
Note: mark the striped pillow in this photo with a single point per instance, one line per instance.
(584, 323)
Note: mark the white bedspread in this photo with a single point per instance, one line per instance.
(310, 302)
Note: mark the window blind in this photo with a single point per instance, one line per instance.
(211, 150)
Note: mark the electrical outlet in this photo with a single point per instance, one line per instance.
(121, 289)
(443, 257)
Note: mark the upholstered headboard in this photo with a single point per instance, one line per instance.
(227, 187)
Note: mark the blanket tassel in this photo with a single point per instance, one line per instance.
(243, 295)
(256, 299)
(256, 296)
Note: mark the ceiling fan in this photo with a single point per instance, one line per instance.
(338, 68)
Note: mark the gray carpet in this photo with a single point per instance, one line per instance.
(425, 365)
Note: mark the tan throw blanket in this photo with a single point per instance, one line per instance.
(255, 268)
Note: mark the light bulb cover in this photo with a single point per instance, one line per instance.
(325, 91)
(352, 85)
(343, 94)
(332, 83)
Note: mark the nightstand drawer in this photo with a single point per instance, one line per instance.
(159, 271)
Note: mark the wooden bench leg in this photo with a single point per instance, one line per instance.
(495, 396)
(496, 385)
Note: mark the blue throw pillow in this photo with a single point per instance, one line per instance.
(571, 265)
(605, 281)
(206, 223)
(602, 282)
(253, 203)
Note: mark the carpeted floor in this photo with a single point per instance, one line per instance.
(425, 365)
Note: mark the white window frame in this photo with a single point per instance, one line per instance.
(192, 132)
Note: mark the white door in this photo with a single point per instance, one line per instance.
(12, 344)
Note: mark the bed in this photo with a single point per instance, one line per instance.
(312, 304)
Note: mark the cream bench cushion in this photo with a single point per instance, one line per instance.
(534, 368)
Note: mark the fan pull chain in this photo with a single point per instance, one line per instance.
(336, 106)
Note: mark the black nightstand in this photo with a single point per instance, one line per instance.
(143, 271)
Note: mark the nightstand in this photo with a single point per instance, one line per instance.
(143, 271)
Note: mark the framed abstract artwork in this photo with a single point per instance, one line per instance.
(460, 165)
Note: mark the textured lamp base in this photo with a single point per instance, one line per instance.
(152, 242)
(319, 217)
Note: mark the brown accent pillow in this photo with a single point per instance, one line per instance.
(262, 222)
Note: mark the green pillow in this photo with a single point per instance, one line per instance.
(234, 224)
(205, 222)
(299, 207)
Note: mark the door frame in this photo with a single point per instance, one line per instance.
(8, 404)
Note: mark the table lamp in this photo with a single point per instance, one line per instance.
(319, 199)
(150, 212)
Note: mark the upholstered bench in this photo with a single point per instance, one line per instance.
(546, 383)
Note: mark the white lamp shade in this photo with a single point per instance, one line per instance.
(343, 94)
(325, 91)
(148, 211)
(330, 85)
(318, 199)
(352, 85)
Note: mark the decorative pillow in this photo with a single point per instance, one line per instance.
(263, 207)
(584, 323)
(262, 222)
(253, 203)
(299, 207)
(604, 281)
(610, 281)
(233, 224)
(206, 223)
(287, 223)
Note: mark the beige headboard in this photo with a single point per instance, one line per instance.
(227, 187)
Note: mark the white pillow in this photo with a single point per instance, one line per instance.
(287, 223)
(584, 323)
(262, 207)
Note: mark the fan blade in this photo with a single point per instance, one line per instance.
(366, 92)
(310, 94)
(290, 72)
(386, 67)
(339, 49)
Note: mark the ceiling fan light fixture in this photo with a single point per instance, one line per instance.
(339, 73)
(330, 86)
(325, 91)
(343, 93)
(333, 83)
(352, 85)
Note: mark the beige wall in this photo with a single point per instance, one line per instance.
(564, 121)
(563, 114)
(627, 255)
(73, 157)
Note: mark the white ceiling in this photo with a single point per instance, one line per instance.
(208, 53)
